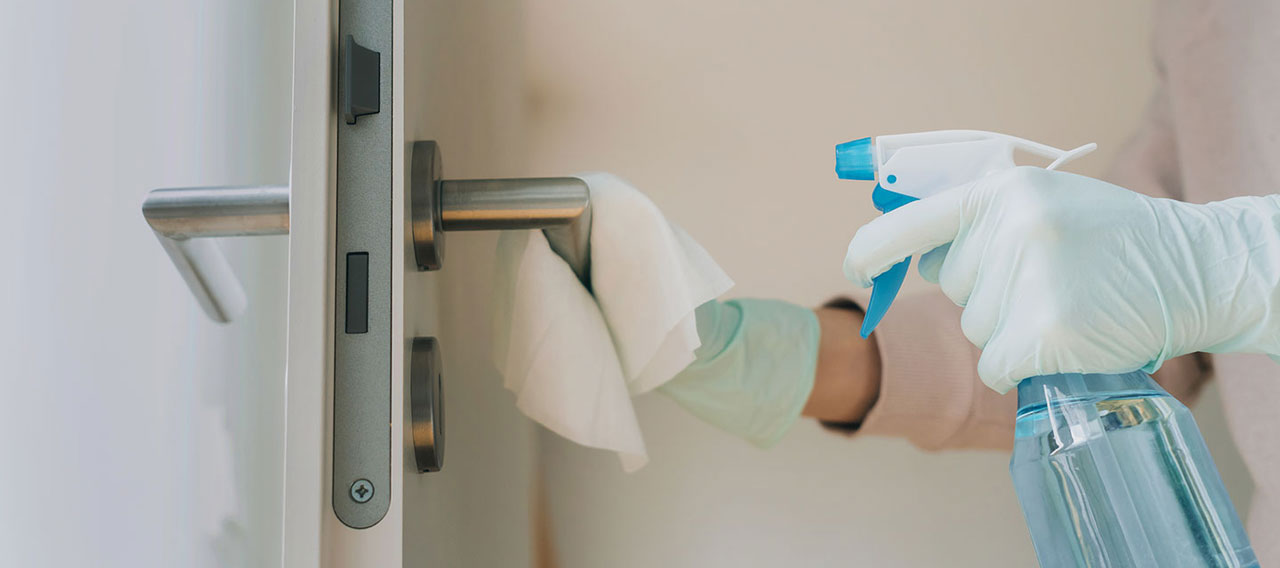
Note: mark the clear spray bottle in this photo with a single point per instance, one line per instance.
(1110, 470)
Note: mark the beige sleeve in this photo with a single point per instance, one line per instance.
(930, 393)
(1149, 161)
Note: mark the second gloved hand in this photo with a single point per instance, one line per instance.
(755, 368)
(1063, 273)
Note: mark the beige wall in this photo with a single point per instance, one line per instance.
(726, 113)
(476, 510)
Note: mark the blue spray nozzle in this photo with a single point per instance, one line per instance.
(883, 290)
(885, 286)
(855, 161)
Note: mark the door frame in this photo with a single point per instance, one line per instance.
(308, 374)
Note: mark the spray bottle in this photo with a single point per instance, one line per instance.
(1109, 469)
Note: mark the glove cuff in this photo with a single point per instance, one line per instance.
(757, 384)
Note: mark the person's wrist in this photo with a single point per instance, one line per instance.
(847, 380)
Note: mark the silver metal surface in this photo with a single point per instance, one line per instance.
(363, 228)
(191, 212)
(502, 204)
(361, 491)
(573, 243)
(182, 217)
(559, 206)
(426, 404)
(424, 204)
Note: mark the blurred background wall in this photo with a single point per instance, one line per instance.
(135, 432)
(726, 114)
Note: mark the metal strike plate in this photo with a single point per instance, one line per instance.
(362, 381)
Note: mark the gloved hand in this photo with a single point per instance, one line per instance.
(755, 368)
(1063, 273)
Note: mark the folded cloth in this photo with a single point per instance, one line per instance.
(574, 358)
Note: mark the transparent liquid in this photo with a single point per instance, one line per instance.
(1112, 471)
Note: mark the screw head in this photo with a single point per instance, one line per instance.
(361, 491)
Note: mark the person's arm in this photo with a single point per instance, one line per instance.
(765, 362)
(947, 407)
(923, 385)
(847, 381)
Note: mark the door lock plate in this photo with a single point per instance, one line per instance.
(363, 287)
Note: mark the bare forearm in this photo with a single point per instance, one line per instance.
(847, 381)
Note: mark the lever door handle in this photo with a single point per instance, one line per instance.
(561, 207)
(185, 220)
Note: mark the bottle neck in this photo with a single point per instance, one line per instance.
(1038, 390)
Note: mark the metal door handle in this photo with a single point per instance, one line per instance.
(561, 207)
(184, 220)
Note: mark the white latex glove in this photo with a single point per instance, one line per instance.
(1063, 273)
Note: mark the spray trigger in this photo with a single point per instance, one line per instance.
(919, 165)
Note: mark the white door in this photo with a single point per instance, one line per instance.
(136, 433)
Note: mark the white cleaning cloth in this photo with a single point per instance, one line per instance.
(573, 359)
